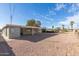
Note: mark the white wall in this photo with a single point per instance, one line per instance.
(5, 33)
(13, 33)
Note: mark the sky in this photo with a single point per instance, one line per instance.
(49, 14)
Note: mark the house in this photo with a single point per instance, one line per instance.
(13, 31)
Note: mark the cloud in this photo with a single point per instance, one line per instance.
(44, 17)
(74, 18)
(60, 6)
(51, 12)
(47, 18)
(74, 8)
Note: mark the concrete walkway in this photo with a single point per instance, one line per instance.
(62, 45)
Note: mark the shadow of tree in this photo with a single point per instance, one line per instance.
(37, 37)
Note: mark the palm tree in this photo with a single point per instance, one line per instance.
(52, 27)
(63, 27)
(71, 23)
(33, 22)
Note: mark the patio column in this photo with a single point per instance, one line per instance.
(32, 31)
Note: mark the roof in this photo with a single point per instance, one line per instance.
(13, 25)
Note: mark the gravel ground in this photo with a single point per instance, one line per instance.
(47, 44)
(5, 49)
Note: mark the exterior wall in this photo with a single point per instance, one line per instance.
(11, 32)
(26, 31)
(39, 30)
(5, 32)
(14, 32)
(36, 31)
(30, 31)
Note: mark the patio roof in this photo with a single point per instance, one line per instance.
(13, 25)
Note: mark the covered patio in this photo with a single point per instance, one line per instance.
(14, 31)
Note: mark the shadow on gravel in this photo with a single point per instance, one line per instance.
(5, 49)
(37, 37)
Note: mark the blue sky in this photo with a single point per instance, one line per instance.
(48, 13)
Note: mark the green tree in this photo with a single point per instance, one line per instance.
(38, 23)
(71, 24)
(33, 22)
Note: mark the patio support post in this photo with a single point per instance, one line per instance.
(32, 32)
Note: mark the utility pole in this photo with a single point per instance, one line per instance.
(11, 7)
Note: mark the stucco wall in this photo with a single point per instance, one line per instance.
(15, 32)
(36, 31)
(12, 32)
(26, 31)
(5, 32)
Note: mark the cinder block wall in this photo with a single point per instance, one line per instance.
(5, 33)
(14, 32)
(11, 32)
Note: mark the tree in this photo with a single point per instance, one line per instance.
(38, 23)
(52, 27)
(63, 27)
(33, 22)
(71, 24)
(53, 30)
